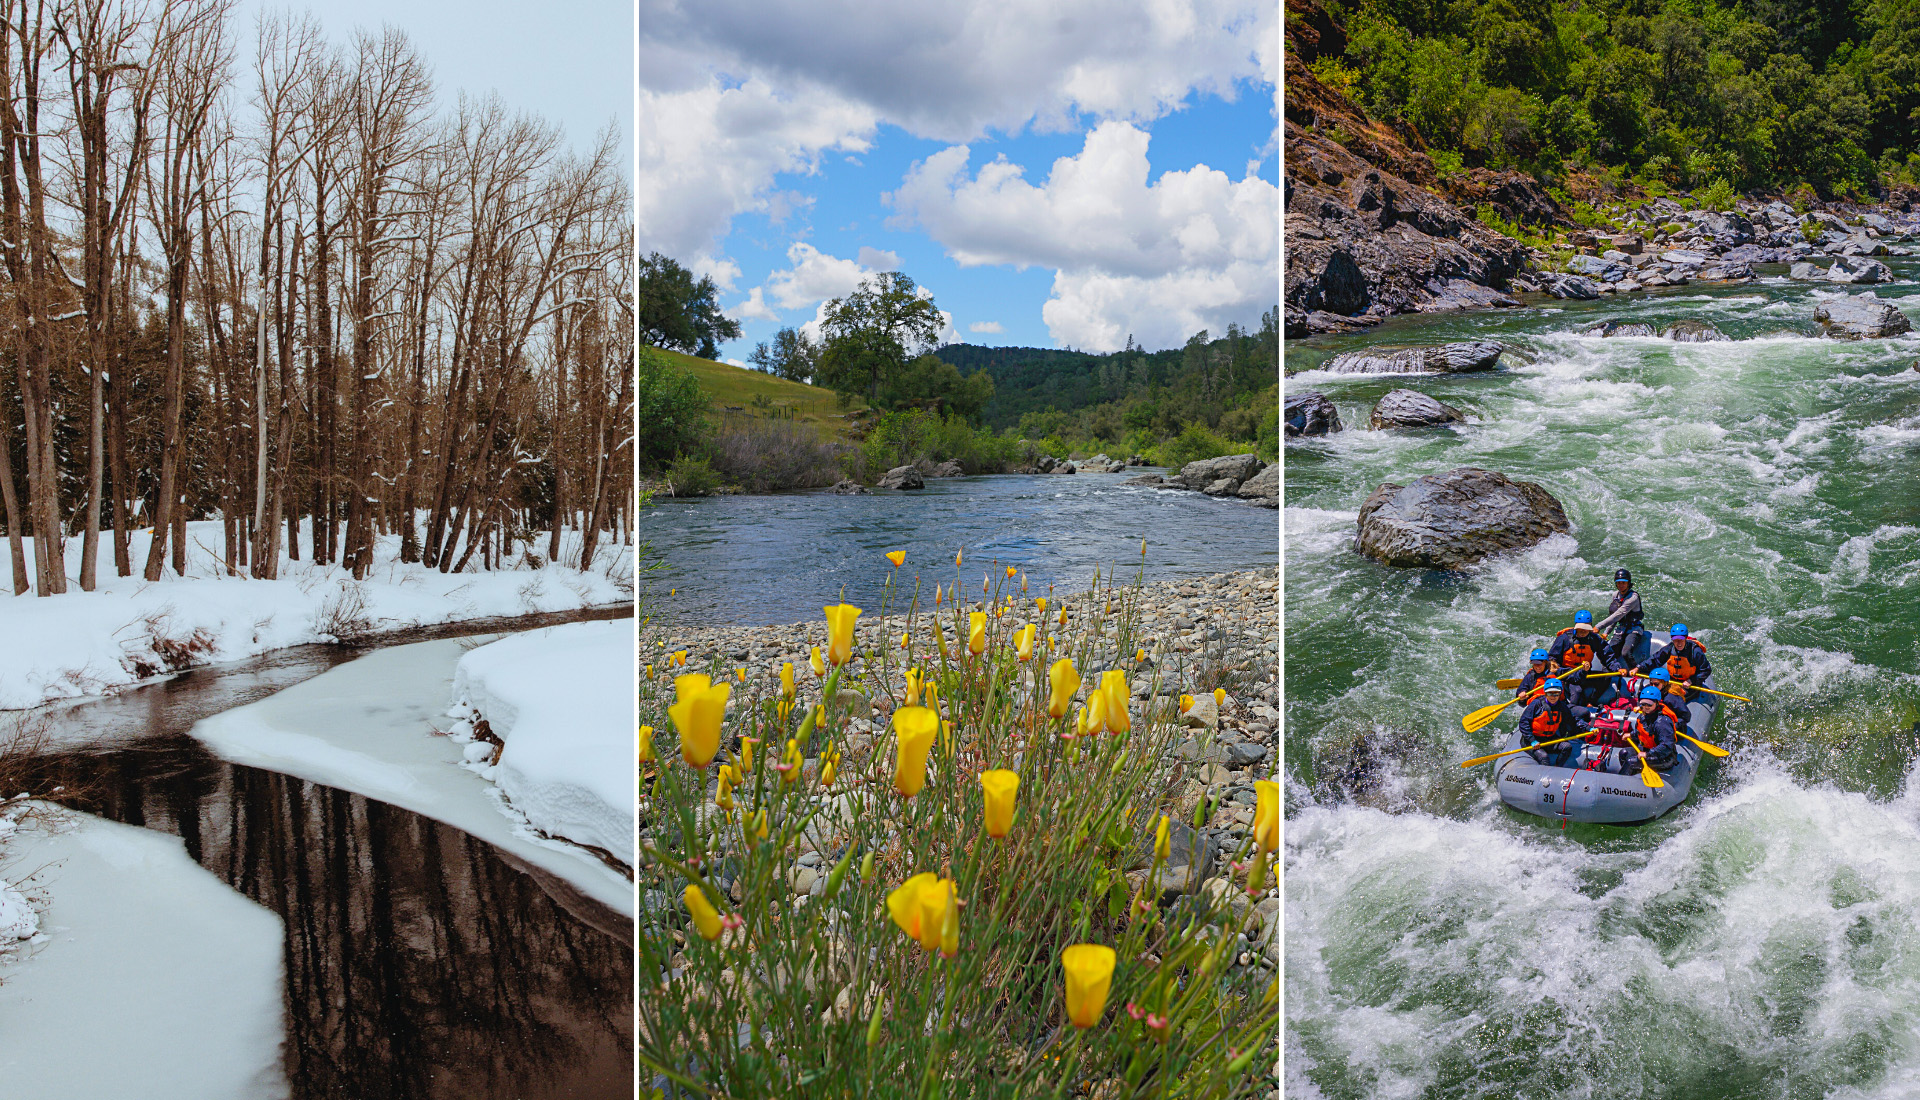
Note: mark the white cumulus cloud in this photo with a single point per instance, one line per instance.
(986, 326)
(1154, 258)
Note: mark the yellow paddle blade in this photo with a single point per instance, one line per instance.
(1714, 750)
(1523, 748)
(1650, 777)
(1507, 684)
(1480, 719)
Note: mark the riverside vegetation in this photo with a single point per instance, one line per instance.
(967, 849)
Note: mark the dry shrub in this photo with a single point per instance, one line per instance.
(765, 455)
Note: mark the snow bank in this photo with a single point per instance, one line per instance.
(368, 726)
(561, 701)
(87, 643)
(150, 978)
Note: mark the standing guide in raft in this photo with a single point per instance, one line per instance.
(1627, 737)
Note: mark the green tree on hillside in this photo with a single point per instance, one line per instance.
(874, 332)
(677, 311)
(793, 356)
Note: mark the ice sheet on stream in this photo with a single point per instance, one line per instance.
(562, 702)
(133, 932)
(377, 726)
(86, 643)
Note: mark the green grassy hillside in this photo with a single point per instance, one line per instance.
(733, 387)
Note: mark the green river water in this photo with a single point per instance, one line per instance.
(1763, 941)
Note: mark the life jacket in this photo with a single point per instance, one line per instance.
(1546, 724)
(1680, 667)
(1631, 621)
(1578, 652)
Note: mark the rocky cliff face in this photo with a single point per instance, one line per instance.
(1366, 237)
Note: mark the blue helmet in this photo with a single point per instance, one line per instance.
(1661, 674)
(1537, 655)
(1679, 630)
(1583, 616)
(1555, 685)
(1651, 692)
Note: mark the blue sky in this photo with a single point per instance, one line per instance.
(841, 209)
(1071, 172)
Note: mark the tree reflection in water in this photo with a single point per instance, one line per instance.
(420, 962)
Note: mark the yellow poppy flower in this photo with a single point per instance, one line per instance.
(1113, 685)
(1065, 681)
(646, 744)
(999, 786)
(914, 727)
(786, 680)
(1266, 815)
(1089, 970)
(977, 633)
(701, 708)
(897, 557)
(1023, 642)
(840, 632)
(813, 659)
(923, 907)
(705, 918)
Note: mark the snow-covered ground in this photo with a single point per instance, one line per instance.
(561, 702)
(87, 643)
(149, 976)
(370, 726)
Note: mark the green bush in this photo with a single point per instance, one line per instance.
(1717, 195)
(672, 409)
(1195, 442)
(691, 476)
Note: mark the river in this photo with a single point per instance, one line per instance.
(420, 962)
(761, 560)
(1763, 940)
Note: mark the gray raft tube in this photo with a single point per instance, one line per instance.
(1587, 796)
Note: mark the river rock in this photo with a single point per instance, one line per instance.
(1223, 487)
(1620, 328)
(1693, 332)
(902, 477)
(1860, 317)
(1205, 472)
(949, 468)
(847, 487)
(1476, 355)
(1460, 294)
(1309, 414)
(1445, 521)
(1595, 267)
(1412, 409)
(1568, 286)
(1154, 480)
(1068, 467)
(1263, 488)
(1804, 271)
(1852, 269)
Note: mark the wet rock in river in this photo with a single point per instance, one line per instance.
(1620, 328)
(902, 477)
(1411, 409)
(1860, 317)
(847, 487)
(1263, 488)
(1445, 521)
(1475, 355)
(1694, 332)
(1852, 269)
(1205, 472)
(1309, 414)
(949, 468)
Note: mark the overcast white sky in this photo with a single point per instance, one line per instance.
(570, 61)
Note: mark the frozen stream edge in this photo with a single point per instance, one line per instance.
(367, 726)
(155, 978)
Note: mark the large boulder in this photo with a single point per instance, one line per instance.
(1445, 521)
(1694, 332)
(1860, 317)
(1209, 471)
(1568, 286)
(1412, 409)
(1475, 355)
(1264, 487)
(1621, 328)
(847, 487)
(902, 477)
(950, 468)
(1854, 269)
(1309, 414)
(1804, 270)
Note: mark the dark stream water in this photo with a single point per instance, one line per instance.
(420, 961)
(757, 560)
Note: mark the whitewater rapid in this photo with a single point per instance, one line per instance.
(1763, 940)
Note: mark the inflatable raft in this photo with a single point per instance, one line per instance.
(1581, 794)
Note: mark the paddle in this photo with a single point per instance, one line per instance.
(1722, 694)
(1523, 748)
(1712, 749)
(1480, 719)
(1514, 681)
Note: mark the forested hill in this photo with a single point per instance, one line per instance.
(1759, 94)
(1106, 395)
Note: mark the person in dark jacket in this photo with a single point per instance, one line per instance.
(1622, 627)
(1651, 735)
(1580, 644)
(1684, 659)
(1549, 718)
(1536, 672)
(1676, 703)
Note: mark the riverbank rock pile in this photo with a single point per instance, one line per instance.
(1412, 409)
(1446, 521)
(1243, 476)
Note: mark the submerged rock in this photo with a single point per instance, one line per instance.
(847, 487)
(1411, 409)
(902, 477)
(1860, 317)
(1694, 332)
(1445, 521)
(1309, 414)
(1476, 355)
